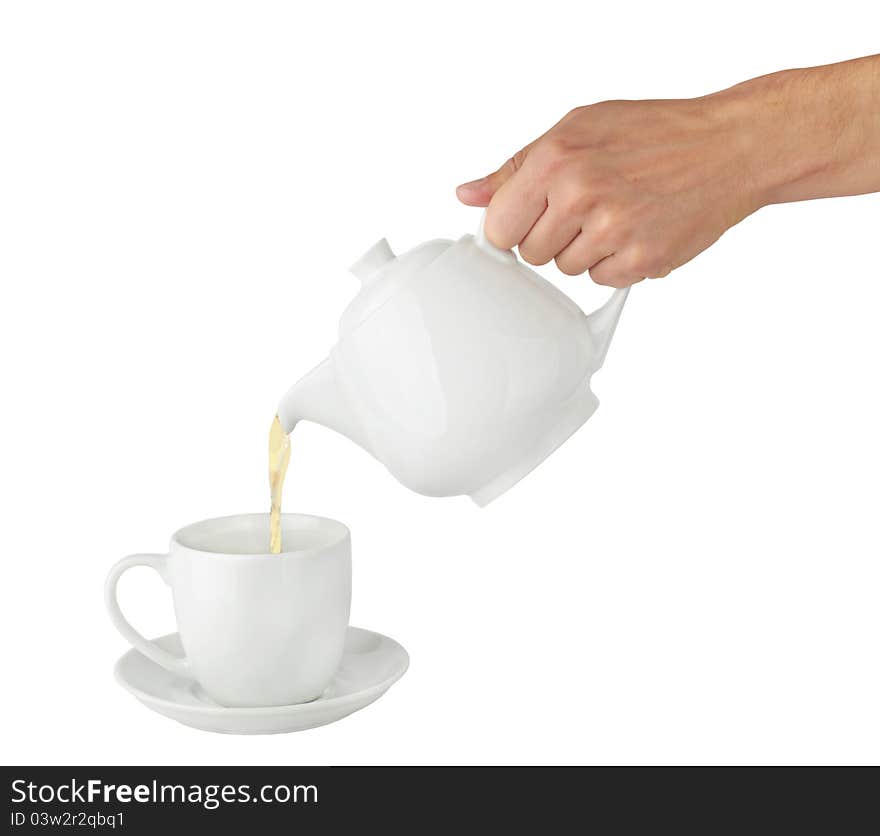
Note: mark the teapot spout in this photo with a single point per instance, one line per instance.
(603, 321)
(319, 398)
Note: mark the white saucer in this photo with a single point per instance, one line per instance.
(371, 664)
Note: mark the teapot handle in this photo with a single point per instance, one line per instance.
(487, 246)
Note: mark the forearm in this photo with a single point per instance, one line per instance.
(809, 133)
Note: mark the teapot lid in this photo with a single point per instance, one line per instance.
(382, 274)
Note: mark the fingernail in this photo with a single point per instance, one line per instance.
(473, 184)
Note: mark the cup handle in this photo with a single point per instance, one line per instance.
(151, 650)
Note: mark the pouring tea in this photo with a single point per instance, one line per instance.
(457, 366)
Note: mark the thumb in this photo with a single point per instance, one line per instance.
(480, 192)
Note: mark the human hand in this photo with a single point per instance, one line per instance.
(634, 189)
(624, 189)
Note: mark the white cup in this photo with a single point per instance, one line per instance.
(257, 628)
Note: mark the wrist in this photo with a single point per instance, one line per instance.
(807, 133)
(763, 119)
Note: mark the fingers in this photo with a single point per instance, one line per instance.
(476, 193)
(609, 251)
(480, 192)
(615, 271)
(583, 252)
(515, 196)
(552, 233)
(515, 209)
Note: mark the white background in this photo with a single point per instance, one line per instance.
(693, 578)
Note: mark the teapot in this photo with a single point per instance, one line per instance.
(457, 366)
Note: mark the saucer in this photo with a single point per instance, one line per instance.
(371, 664)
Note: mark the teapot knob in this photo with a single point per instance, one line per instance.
(373, 260)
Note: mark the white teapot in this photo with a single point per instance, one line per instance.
(457, 366)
